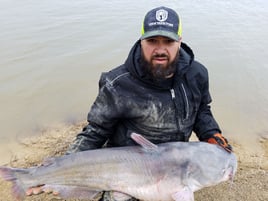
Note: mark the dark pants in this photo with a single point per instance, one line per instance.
(108, 196)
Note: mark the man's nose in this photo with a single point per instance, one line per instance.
(160, 48)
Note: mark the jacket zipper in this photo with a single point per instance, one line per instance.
(186, 101)
(185, 98)
(172, 91)
(172, 94)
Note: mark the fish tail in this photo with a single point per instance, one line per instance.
(11, 174)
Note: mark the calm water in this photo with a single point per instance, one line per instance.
(52, 54)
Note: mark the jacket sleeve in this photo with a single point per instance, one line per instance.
(102, 118)
(205, 124)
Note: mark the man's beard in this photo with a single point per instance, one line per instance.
(159, 72)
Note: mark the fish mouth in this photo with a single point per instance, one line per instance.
(232, 169)
(231, 175)
(228, 174)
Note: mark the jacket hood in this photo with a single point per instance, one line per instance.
(133, 65)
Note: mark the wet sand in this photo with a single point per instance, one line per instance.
(250, 183)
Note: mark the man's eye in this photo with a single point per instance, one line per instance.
(169, 41)
(151, 40)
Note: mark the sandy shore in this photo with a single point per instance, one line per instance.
(250, 183)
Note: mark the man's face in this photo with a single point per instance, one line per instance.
(160, 54)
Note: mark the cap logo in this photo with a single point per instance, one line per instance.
(161, 15)
(161, 21)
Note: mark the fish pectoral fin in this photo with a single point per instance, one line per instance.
(186, 194)
(66, 192)
(146, 144)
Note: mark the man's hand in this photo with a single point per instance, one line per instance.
(38, 190)
(34, 191)
(217, 138)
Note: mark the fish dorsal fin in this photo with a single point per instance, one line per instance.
(146, 144)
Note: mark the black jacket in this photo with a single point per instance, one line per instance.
(129, 101)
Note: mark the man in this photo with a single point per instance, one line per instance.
(160, 92)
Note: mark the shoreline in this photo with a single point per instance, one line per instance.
(250, 182)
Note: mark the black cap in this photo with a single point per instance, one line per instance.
(161, 21)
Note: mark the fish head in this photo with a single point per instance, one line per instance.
(209, 166)
(223, 169)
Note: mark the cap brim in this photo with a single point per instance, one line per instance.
(167, 34)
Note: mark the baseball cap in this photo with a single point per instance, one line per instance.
(161, 21)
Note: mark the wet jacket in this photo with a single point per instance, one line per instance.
(130, 101)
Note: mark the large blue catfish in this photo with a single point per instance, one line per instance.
(164, 172)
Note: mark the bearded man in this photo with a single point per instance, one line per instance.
(160, 91)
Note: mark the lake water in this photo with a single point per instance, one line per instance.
(52, 53)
